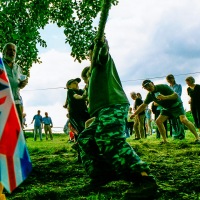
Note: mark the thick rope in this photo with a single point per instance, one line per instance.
(100, 33)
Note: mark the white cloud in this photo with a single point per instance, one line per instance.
(142, 34)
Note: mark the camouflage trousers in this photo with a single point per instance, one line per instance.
(103, 147)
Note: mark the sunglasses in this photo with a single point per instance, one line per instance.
(147, 86)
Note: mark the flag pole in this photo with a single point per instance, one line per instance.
(100, 33)
(2, 196)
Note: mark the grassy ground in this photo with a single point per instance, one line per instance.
(56, 175)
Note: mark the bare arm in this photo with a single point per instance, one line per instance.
(139, 109)
(84, 96)
(168, 97)
(32, 120)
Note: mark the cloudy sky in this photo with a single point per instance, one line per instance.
(147, 39)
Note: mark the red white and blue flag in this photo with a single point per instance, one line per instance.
(15, 163)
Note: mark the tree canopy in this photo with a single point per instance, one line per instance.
(22, 20)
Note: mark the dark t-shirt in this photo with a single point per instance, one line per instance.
(195, 96)
(77, 107)
(138, 102)
(105, 88)
(164, 90)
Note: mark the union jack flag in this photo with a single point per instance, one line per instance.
(15, 163)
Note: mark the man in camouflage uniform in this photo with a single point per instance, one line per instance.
(105, 153)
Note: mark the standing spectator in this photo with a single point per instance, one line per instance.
(171, 107)
(145, 131)
(72, 133)
(148, 119)
(77, 108)
(104, 151)
(172, 83)
(37, 125)
(24, 120)
(139, 119)
(139, 95)
(175, 123)
(130, 122)
(24, 125)
(194, 93)
(16, 79)
(48, 124)
(78, 113)
(85, 76)
(68, 129)
(66, 126)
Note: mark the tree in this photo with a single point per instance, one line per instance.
(21, 21)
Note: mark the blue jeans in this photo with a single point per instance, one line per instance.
(37, 129)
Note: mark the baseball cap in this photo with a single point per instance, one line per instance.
(72, 80)
(146, 82)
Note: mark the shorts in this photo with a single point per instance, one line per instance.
(174, 112)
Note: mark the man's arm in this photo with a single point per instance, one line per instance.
(83, 96)
(139, 109)
(33, 119)
(168, 97)
(23, 80)
(51, 122)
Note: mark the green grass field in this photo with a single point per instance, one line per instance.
(56, 175)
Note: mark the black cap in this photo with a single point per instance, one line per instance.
(146, 82)
(72, 80)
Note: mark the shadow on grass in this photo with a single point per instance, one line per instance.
(56, 175)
